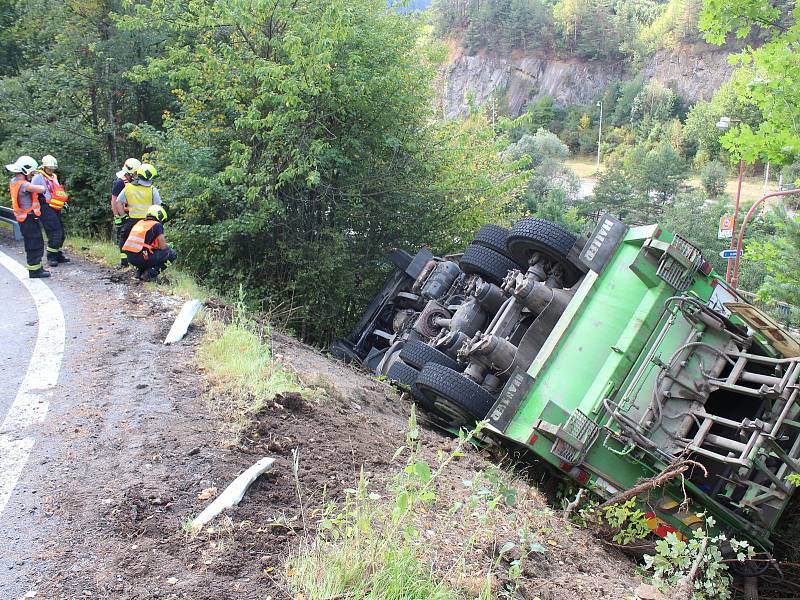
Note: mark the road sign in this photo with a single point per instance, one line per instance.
(729, 254)
(725, 230)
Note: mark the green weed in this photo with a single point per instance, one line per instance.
(243, 373)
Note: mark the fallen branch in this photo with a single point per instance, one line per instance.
(675, 470)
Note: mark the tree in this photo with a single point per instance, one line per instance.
(779, 257)
(714, 177)
(768, 75)
(301, 149)
(73, 98)
(614, 193)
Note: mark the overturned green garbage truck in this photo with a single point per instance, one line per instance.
(610, 358)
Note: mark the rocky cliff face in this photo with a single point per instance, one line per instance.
(694, 72)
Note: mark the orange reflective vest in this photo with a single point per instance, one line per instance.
(22, 213)
(58, 197)
(135, 241)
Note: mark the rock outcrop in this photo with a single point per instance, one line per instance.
(694, 72)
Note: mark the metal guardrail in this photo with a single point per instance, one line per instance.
(8, 221)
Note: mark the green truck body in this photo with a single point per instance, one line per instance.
(607, 354)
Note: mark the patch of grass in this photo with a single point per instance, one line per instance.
(179, 283)
(102, 251)
(242, 370)
(585, 167)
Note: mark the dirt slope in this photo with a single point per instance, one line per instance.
(131, 443)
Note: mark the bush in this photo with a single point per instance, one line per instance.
(714, 177)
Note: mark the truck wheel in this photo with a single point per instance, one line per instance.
(493, 237)
(405, 375)
(458, 400)
(418, 354)
(487, 263)
(531, 235)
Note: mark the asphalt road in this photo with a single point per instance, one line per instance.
(18, 328)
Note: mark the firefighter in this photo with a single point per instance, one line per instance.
(146, 246)
(26, 207)
(136, 198)
(124, 176)
(55, 199)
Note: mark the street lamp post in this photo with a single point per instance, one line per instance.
(599, 134)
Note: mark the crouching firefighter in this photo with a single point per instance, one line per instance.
(146, 246)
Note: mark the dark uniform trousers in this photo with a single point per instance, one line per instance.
(54, 228)
(156, 261)
(32, 239)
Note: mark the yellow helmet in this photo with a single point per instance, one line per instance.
(158, 212)
(146, 171)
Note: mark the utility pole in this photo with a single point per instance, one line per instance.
(599, 134)
(723, 124)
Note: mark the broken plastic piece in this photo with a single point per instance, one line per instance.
(182, 321)
(234, 493)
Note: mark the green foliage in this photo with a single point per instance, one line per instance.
(552, 186)
(296, 160)
(768, 75)
(779, 256)
(244, 374)
(675, 558)
(627, 520)
(714, 177)
(72, 98)
(794, 479)
(595, 29)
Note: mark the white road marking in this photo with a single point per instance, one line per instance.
(33, 397)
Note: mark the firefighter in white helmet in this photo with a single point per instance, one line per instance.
(27, 210)
(55, 200)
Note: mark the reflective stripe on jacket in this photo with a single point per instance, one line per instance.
(58, 197)
(136, 238)
(22, 213)
(138, 198)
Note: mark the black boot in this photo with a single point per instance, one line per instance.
(52, 261)
(39, 273)
(150, 275)
(62, 259)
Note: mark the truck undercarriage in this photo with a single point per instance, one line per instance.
(610, 358)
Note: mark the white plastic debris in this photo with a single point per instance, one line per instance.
(182, 321)
(234, 493)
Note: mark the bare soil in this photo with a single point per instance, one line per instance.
(132, 444)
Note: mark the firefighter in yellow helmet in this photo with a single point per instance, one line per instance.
(55, 199)
(124, 176)
(135, 199)
(146, 246)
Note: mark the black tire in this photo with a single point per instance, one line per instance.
(458, 400)
(418, 354)
(487, 263)
(531, 235)
(493, 237)
(405, 375)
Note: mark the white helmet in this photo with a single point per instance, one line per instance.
(129, 168)
(49, 161)
(24, 164)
